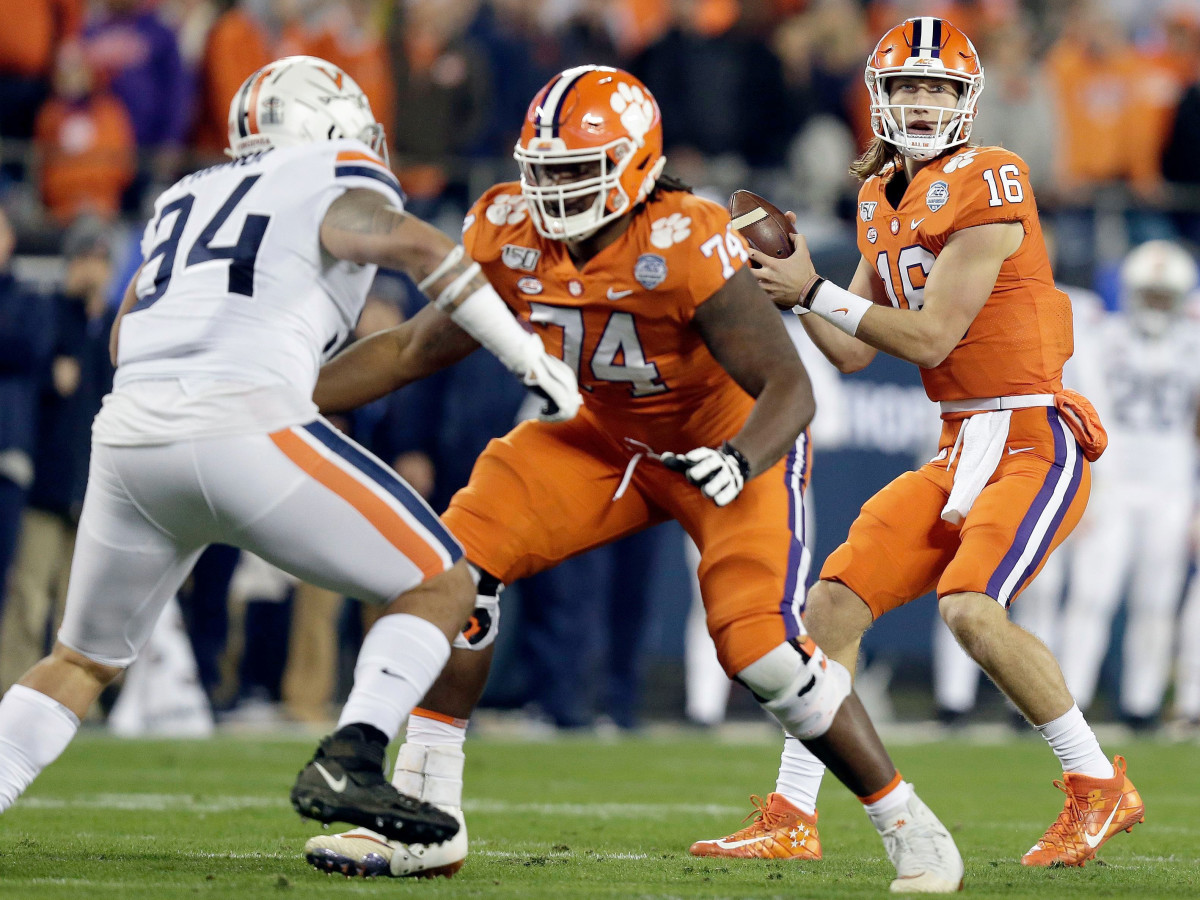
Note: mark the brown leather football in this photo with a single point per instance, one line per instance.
(761, 223)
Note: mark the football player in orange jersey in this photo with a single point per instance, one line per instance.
(954, 277)
(695, 406)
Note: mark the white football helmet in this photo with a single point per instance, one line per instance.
(298, 100)
(1156, 279)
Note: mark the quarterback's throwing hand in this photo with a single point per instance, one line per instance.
(554, 380)
(719, 473)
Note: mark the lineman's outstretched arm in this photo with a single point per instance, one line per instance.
(388, 360)
(361, 226)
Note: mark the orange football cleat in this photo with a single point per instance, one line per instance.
(779, 831)
(1096, 809)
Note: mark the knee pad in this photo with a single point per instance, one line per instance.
(800, 686)
(484, 624)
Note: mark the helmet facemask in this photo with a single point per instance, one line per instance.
(951, 125)
(558, 203)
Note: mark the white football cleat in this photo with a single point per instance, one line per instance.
(925, 856)
(360, 853)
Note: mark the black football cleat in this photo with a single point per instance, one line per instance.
(344, 782)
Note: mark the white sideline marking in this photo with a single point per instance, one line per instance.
(233, 803)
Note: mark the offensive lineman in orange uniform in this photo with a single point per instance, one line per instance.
(954, 277)
(695, 404)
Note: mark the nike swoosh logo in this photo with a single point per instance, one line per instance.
(386, 671)
(729, 845)
(842, 309)
(1093, 840)
(1012, 450)
(617, 295)
(337, 785)
(912, 226)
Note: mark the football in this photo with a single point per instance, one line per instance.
(761, 223)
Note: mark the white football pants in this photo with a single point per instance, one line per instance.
(306, 499)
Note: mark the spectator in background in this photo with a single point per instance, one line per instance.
(1179, 153)
(717, 81)
(84, 142)
(1111, 126)
(444, 84)
(131, 49)
(243, 39)
(71, 388)
(30, 37)
(1020, 112)
(349, 34)
(26, 343)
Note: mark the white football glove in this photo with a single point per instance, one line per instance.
(719, 473)
(554, 380)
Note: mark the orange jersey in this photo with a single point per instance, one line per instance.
(623, 320)
(1020, 339)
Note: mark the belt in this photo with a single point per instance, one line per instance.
(995, 404)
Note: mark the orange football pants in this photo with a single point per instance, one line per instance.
(545, 492)
(899, 548)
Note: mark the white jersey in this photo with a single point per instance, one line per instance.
(1147, 391)
(237, 302)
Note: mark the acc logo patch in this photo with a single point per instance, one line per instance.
(507, 209)
(937, 195)
(866, 209)
(529, 285)
(524, 258)
(872, 235)
(894, 225)
(650, 270)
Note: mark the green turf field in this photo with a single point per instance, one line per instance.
(568, 819)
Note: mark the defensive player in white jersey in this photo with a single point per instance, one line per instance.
(1141, 370)
(253, 272)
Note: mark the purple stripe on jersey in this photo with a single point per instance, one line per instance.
(794, 473)
(1067, 500)
(387, 178)
(1025, 530)
(388, 480)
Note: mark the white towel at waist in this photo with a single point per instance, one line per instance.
(982, 438)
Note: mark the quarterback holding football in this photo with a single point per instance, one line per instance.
(955, 277)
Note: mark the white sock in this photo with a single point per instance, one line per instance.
(1072, 740)
(34, 731)
(800, 775)
(884, 811)
(398, 662)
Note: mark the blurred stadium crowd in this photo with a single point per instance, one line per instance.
(104, 103)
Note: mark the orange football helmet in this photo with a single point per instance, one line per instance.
(590, 151)
(924, 47)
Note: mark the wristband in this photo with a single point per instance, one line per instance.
(839, 307)
(743, 463)
(484, 317)
(809, 291)
(447, 263)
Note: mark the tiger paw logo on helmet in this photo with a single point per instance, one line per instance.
(507, 209)
(671, 230)
(634, 108)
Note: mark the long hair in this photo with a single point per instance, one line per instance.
(877, 157)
